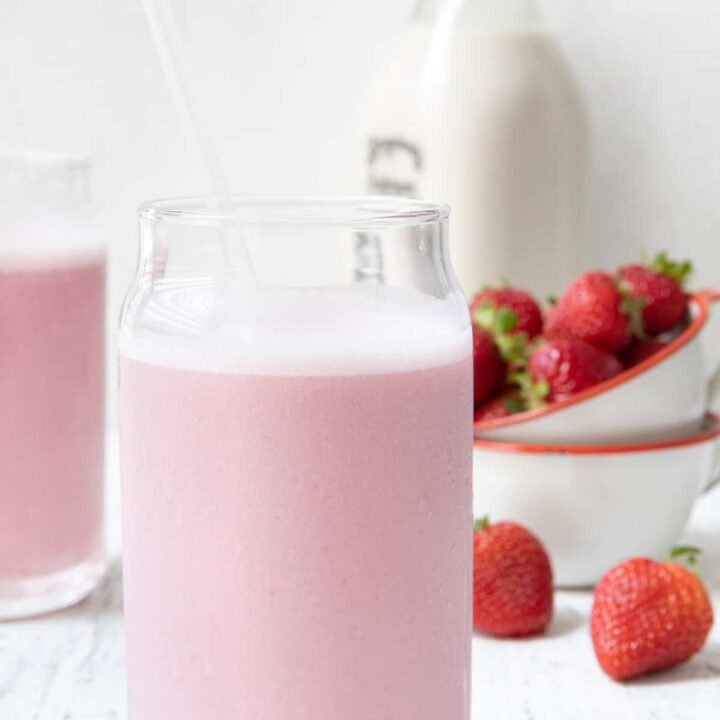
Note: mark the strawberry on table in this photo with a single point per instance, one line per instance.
(593, 309)
(649, 616)
(566, 366)
(488, 367)
(512, 581)
(659, 287)
(527, 311)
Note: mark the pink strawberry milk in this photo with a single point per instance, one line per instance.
(52, 308)
(296, 478)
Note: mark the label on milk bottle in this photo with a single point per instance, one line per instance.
(394, 166)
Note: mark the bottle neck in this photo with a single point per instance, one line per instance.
(492, 14)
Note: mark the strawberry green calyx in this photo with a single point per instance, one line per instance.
(533, 394)
(497, 321)
(632, 308)
(514, 404)
(500, 323)
(513, 348)
(678, 271)
(685, 553)
(482, 523)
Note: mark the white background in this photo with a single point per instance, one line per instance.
(281, 82)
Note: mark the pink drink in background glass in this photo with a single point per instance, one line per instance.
(51, 417)
(52, 327)
(297, 504)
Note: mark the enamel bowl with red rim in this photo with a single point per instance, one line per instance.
(594, 506)
(663, 397)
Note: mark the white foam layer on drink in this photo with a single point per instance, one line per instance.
(39, 245)
(362, 329)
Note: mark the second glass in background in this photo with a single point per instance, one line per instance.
(52, 338)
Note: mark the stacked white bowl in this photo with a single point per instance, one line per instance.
(614, 471)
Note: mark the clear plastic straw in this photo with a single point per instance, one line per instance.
(169, 47)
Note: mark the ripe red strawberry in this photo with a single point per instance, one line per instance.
(523, 304)
(659, 287)
(593, 309)
(567, 366)
(488, 368)
(512, 581)
(640, 351)
(648, 616)
(507, 404)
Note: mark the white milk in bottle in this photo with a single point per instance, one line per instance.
(476, 107)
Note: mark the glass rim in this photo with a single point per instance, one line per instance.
(39, 158)
(351, 211)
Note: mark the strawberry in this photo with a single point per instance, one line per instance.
(512, 581)
(658, 286)
(648, 616)
(564, 367)
(527, 311)
(507, 404)
(593, 309)
(640, 351)
(488, 368)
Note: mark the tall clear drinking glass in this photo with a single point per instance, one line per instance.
(296, 459)
(52, 335)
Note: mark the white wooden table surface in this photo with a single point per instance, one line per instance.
(69, 666)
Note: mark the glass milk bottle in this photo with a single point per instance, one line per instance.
(52, 319)
(476, 107)
(296, 459)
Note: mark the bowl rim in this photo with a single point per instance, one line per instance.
(710, 431)
(701, 300)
